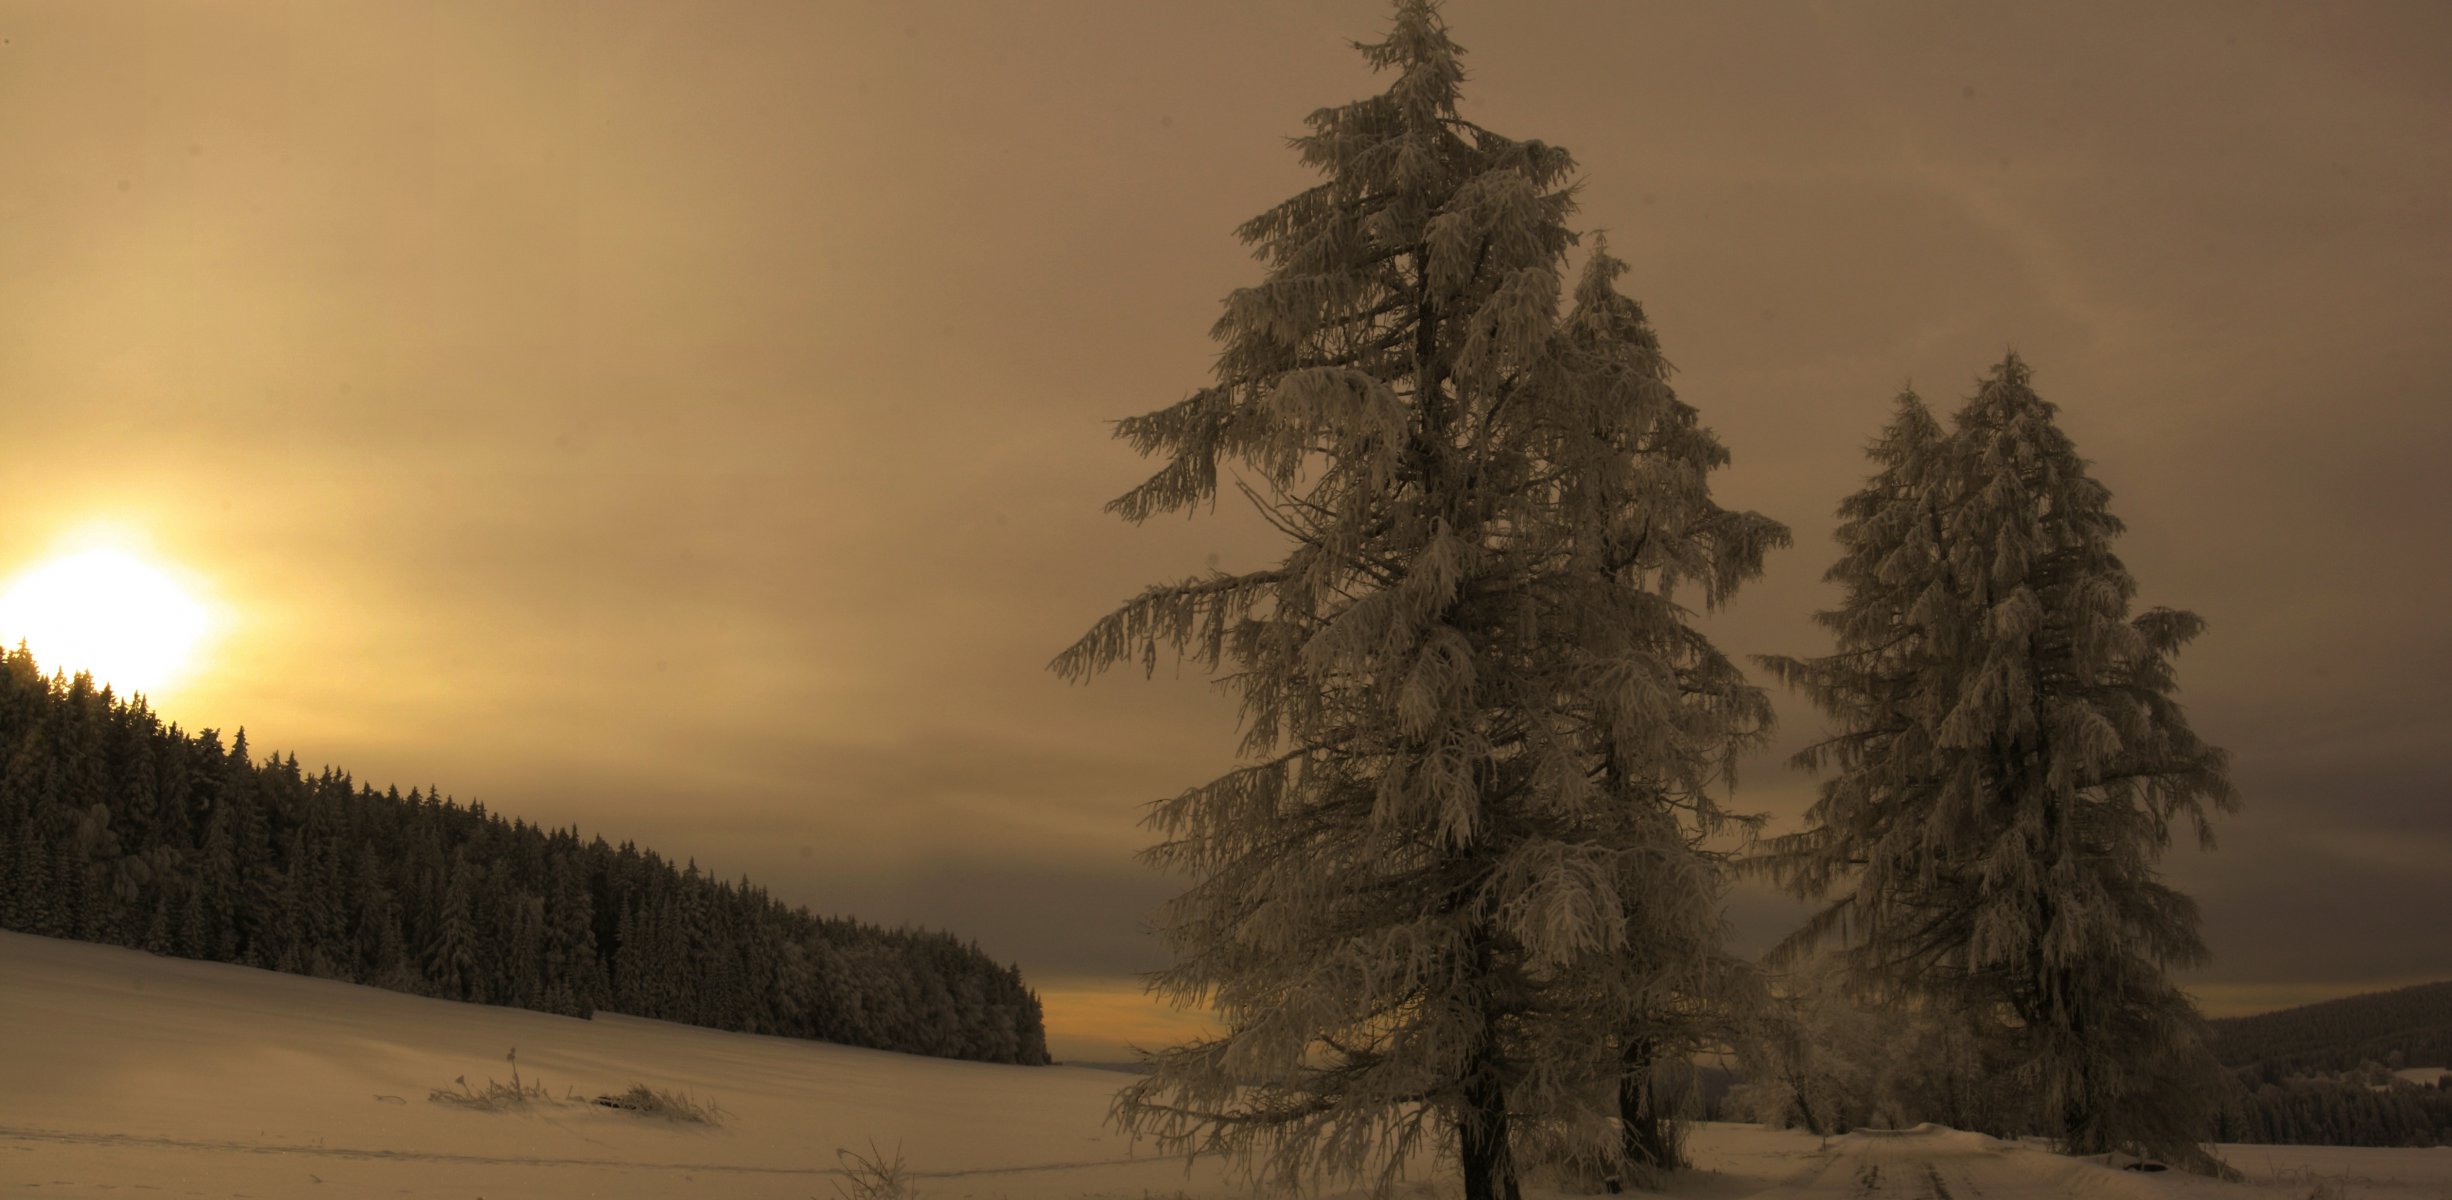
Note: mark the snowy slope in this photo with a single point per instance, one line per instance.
(121, 1072)
(117, 1067)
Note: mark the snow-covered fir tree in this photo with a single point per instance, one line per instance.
(1457, 891)
(1654, 712)
(2008, 762)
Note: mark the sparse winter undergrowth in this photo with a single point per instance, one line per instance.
(656, 1102)
(874, 1175)
(497, 1096)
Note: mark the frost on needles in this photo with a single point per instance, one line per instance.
(2007, 763)
(1458, 893)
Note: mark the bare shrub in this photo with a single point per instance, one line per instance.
(497, 1096)
(874, 1176)
(657, 1102)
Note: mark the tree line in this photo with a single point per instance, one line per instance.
(2409, 1026)
(1828, 1060)
(2322, 1074)
(2337, 1112)
(116, 828)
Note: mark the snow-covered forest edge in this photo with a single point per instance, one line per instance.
(116, 827)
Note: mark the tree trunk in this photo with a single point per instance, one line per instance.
(1813, 1123)
(1642, 1126)
(2078, 1132)
(1489, 1168)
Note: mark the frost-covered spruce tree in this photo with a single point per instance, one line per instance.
(1456, 878)
(1869, 837)
(2008, 764)
(1635, 714)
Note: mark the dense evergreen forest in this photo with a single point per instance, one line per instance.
(2409, 1026)
(116, 828)
(2337, 1112)
(2321, 1074)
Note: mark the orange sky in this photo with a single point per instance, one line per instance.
(688, 421)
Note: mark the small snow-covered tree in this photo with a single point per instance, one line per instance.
(1826, 1054)
(1456, 892)
(1812, 1055)
(2008, 762)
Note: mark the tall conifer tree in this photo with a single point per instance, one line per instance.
(2008, 763)
(451, 962)
(1455, 889)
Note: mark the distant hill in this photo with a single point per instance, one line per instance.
(2327, 1038)
(2319, 1074)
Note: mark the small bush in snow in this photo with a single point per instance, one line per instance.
(874, 1175)
(497, 1096)
(655, 1102)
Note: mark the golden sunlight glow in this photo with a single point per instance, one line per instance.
(1105, 1020)
(105, 611)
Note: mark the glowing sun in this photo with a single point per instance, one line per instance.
(105, 611)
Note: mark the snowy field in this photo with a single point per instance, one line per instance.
(2347, 1172)
(122, 1074)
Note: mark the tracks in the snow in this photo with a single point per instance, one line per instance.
(1868, 1180)
(1934, 1187)
(1888, 1168)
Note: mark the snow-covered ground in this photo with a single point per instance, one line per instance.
(121, 1073)
(1932, 1163)
(2346, 1172)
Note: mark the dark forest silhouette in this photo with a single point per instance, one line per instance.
(117, 828)
(2409, 1026)
(2338, 1112)
(2321, 1074)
